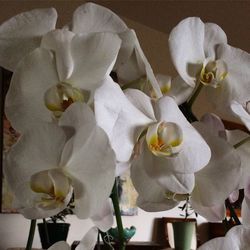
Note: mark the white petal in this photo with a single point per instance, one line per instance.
(237, 238)
(88, 242)
(127, 47)
(60, 245)
(104, 218)
(212, 214)
(234, 137)
(213, 36)
(186, 44)
(91, 17)
(38, 149)
(180, 90)
(94, 56)
(24, 105)
(22, 33)
(89, 159)
(141, 102)
(188, 160)
(26, 204)
(214, 124)
(152, 196)
(245, 213)
(59, 41)
(116, 116)
(214, 244)
(224, 164)
(237, 82)
(122, 167)
(239, 111)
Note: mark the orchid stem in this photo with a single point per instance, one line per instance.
(237, 145)
(115, 200)
(31, 235)
(195, 95)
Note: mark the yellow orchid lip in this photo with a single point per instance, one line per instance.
(213, 73)
(53, 187)
(164, 139)
(59, 97)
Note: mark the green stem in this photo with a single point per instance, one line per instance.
(194, 96)
(115, 200)
(31, 235)
(241, 142)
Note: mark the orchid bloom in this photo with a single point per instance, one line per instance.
(237, 238)
(225, 163)
(66, 68)
(23, 33)
(171, 142)
(201, 56)
(88, 242)
(51, 161)
(131, 64)
(192, 45)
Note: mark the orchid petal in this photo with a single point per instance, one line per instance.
(179, 90)
(22, 33)
(186, 44)
(240, 112)
(104, 218)
(91, 17)
(88, 163)
(236, 84)
(188, 160)
(33, 76)
(245, 213)
(59, 41)
(214, 35)
(152, 196)
(116, 116)
(224, 164)
(88, 242)
(94, 56)
(234, 137)
(60, 245)
(214, 244)
(212, 214)
(32, 153)
(237, 238)
(141, 102)
(214, 124)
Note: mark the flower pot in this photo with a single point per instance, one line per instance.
(183, 234)
(56, 232)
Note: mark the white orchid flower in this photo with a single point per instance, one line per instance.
(23, 33)
(131, 64)
(67, 68)
(237, 238)
(88, 242)
(201, 56)
(49, 162)
(224, 164)
(124, 117)
(192, 45)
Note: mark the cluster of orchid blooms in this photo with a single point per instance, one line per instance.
(80, 128)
